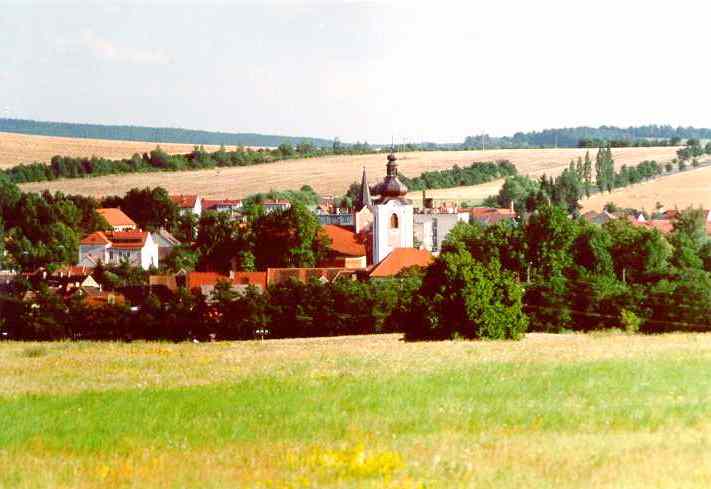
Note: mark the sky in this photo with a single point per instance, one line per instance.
(409, 71)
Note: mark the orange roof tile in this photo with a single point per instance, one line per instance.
(115, 217)
(96, 238)
(117, 239)
(184, 201)
(344, 241)
(197, 279)
(400, 259)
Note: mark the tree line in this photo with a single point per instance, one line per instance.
(571, 137)
(151, 134)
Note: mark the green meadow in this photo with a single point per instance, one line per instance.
(550, 411)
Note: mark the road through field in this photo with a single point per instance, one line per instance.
(331, 174)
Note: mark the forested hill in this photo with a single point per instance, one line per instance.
(571, 137)
(152, 134)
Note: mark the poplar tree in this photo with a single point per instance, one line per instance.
(587, 171)
(600, 172)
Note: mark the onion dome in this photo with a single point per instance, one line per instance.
(391, 187)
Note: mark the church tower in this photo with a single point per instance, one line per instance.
(392, 215)
(364, 199)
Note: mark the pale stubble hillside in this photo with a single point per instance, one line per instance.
(333, 174)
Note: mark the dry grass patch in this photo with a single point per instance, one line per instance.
(25, 148)
(681, 190)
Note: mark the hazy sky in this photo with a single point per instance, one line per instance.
(436, 71)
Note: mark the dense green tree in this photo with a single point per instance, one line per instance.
(291, 238)
(462, 297)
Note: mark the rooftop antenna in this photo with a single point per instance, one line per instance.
(482, 140)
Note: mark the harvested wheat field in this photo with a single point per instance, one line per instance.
(24, 148)
(331, 174)
(681, 190)
(575, 411)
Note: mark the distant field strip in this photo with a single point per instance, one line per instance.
(681, 190)
(331, 174)
(574, 411)
(16, 149)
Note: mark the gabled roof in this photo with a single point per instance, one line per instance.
(400, 259)
(117, 239)
(491, 215)
(115, 217)
(96, 238)
(184, 201)
(344, 241)
(163, 233)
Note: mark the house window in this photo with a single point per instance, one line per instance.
(394, 222)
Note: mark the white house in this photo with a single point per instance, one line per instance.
(108, 247)
(432, 226)
(188, 203)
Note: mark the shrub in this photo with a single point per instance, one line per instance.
(630, 321)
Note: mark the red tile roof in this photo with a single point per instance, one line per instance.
(116, 217)
(400, 259)
(184, 201)
(96, 238)
(197, 279)
(491, 215)
(344, 241)
(117, 239)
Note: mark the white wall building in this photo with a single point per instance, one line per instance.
(112, 248)
(392, 215)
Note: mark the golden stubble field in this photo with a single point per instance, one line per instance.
(333, 174)
(691, 188)
(23, 148)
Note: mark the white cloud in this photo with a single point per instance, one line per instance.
(108, 50)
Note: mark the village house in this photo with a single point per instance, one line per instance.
(233, 207)
(117, 219)
(165, 242)
(431, 226)
(188, 204)
(491, 215)
(278, 205)
(346, 250)
(136, 247)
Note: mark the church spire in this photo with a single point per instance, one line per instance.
(364, 199)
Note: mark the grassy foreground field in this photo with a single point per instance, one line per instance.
(333, 174)
(549, 411)
(690, 188)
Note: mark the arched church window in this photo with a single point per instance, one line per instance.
(394, 222)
